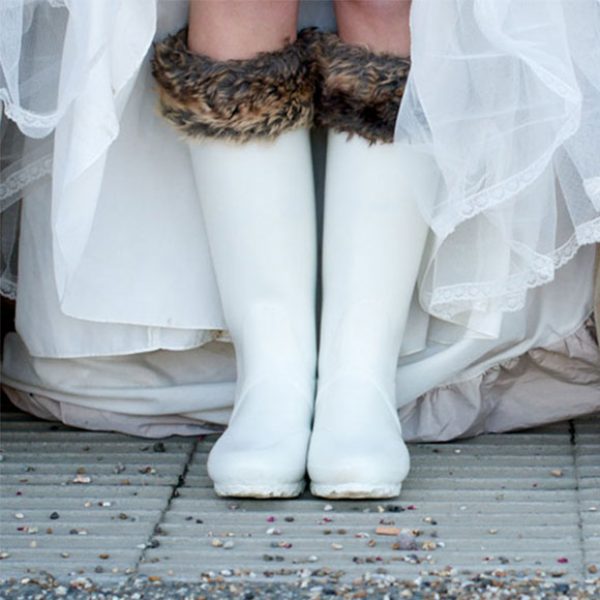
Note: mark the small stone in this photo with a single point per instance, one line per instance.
(271, 519)
(54, 516)
(289, 519)
(19, 515)
(64, 555)
(159, 447)
(104, 556)
(562, 560)
(87, 504)
(154, 578)
(217, 543)
(228, 545)
(384, 530)
(492, 531)
(557, 473)
(61, 590)
(273, 531)
(336, 546)
(328, 508)
(429, 545)
(405, 542)
(33, 544)
(104, 503)
(81, 478)
(4, 555)
(147, 470)
(118, 468)
(593, 569)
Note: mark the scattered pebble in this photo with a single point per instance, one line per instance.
(159, 447)
(81, 478)
(228, 545)
(217, 543)
(336, 546)
(383, 530)
(4, 555)
(54, 516)
(147, 470)
(19, 515)
(328, 507)
(593, 569)
(556, 473)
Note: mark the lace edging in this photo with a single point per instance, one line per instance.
(509, 294)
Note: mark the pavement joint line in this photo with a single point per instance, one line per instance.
(161, 517)
(573, 454)
(580, 524)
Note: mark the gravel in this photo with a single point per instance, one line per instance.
(313, 585)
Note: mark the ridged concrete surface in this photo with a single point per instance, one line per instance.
(524, 502)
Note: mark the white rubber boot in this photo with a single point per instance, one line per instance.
(247, 123)
(258, 205)
(372, 246)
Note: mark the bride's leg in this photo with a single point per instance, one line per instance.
(373, 241)
(247, 122)
(224, 29)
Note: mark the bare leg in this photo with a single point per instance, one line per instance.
(224, 29)
(381, 25)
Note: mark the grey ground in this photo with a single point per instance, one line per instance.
(106, 515)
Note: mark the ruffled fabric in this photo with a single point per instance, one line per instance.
(505, 95)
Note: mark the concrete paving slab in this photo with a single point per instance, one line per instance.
(507, 502)
(81, 503)
(520, 504)
(587, 461)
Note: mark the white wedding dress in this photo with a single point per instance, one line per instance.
(119, 322)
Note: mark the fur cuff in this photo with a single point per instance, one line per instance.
(237, 100)
(360, 91)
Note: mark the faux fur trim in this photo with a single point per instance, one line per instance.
(360, 91)
(237, 100)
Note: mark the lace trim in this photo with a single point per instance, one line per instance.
(509, 294)
(18, 181)
(8, 288)
(22, 116)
